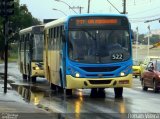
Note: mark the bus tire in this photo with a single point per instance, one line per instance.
(94, 93)
(118, 91)
(24, 77)
(68, 92)
(101, 92)
(34, 79)
(53, 86)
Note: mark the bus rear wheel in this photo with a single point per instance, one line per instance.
(68, 92)
(53, 86)
(118, 91)
(32, 79)
(24, 77)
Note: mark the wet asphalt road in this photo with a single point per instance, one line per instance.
(81, 105)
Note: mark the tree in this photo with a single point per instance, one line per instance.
(22, 18)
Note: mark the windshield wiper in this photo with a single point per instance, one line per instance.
(94, 38)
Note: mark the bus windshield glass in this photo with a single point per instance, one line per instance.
(38, 47)
(99, 46)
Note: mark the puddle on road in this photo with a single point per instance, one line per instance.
(78, 104)
(50, 100)
(29, 93)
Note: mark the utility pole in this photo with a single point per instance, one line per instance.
(88, 6)
(6, 10)
(78, 7)
(124, 7)
(5, 32)
(149, 34)
(137, 44)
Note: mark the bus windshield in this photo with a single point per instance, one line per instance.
(99, 46)
(38, 47)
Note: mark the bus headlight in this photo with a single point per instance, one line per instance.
(122, 74)
(37, 68)
(77, 75)
(126, 71)
(74, 73)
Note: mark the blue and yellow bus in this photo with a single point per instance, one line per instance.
(30, 52)
(89, 51)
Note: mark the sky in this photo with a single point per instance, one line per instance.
(138, 11)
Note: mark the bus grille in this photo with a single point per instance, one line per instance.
(99, 69)
(99, 81)
(98, 75)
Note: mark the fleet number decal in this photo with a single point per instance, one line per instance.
(117, 56)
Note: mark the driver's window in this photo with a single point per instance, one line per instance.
(148, 66)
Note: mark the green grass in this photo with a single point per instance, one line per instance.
(10, 59)
(13, 56)
(1, 61)
(12, 53)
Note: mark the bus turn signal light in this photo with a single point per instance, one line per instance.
(124, 82)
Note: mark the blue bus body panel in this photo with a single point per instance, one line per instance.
(109, 70)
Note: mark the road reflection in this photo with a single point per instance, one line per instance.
(78, 106)
(29, 94)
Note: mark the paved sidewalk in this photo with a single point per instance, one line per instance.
(12, 106)
(12, 102)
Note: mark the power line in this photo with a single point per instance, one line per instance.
(151, 20)
(140, 3)
(113, 6)
(147, 17)
(142, 12)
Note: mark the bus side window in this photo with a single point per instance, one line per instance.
(61, 37)
(58, 37)
(49, 40)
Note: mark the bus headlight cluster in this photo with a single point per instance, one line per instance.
(75, 73)
(37, 68)
(125, 72)
(122, 74)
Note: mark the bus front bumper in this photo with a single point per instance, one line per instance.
(80, 83)
(38, 73)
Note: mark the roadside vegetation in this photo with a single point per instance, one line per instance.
(22, 18)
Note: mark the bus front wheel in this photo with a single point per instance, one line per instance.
(24, 77)
(53, 86)
(118, 91)
(33, 79)
(94, 92)
(68, 92)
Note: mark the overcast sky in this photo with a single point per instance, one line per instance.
(138, 10)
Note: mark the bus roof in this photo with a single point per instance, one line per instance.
(29, 29)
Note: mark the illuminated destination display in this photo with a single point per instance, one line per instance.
(96, 21)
